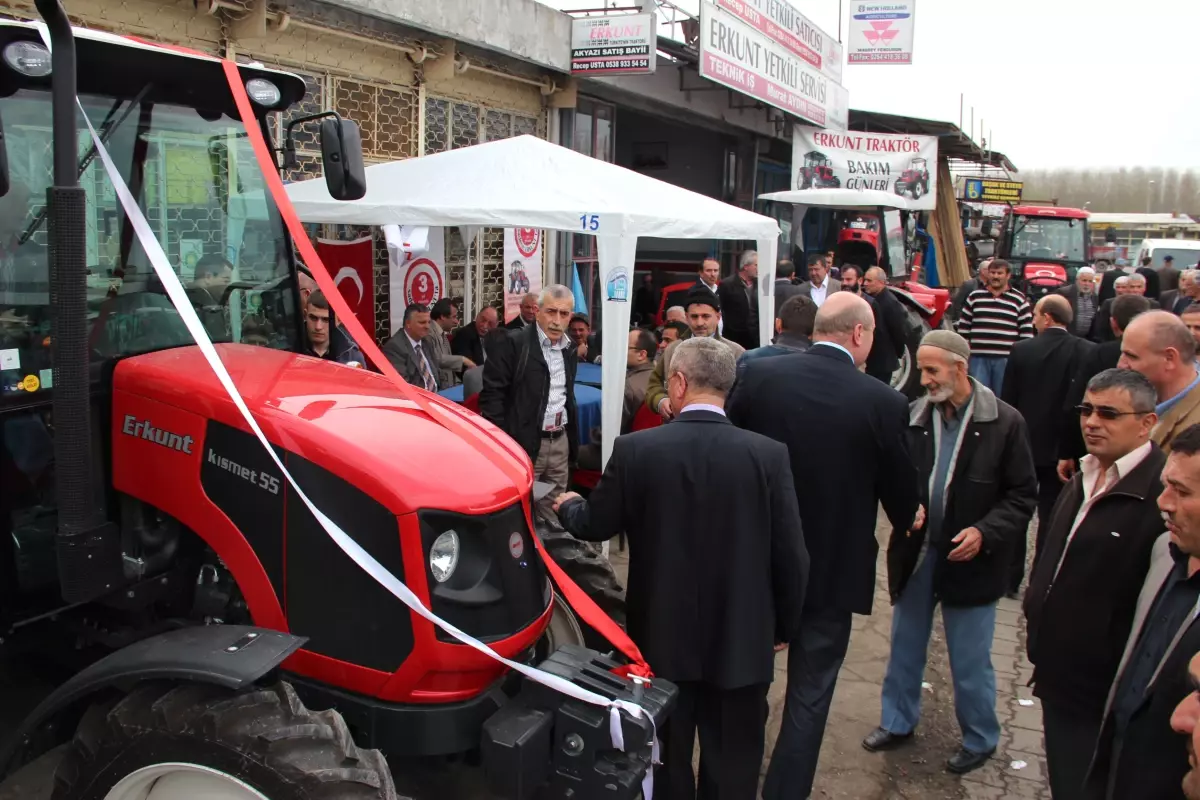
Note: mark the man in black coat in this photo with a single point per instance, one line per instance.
(527, 314)
(1092, 560)
(1138, 755)
(739, 302)
(785, 287)
(717, 569)
(1101, 357)
(977, 482)
(529, 391)
(891, 332)
(1134, 284)
(476, 340)
(1036, 383)
(837, 422)
(1177, 300)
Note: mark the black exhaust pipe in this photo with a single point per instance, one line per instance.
(89, 551)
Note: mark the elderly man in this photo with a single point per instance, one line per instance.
(529, 391)
(819, 285)
(676, 314)
(1158, 345)
(962, 436)
(839, 425)
(1134, 284)
(1178, 300)
(1137, 754)
(409, 349)
(527, 314)
(704, 320)
(1092, 559)
(1036, 384)
(739, 302)
(474, 341)
(724, 497)
(993, 319)
(1082, 297)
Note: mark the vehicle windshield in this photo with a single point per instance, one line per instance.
(1184, 257)
(196, 178)
(1053, 238)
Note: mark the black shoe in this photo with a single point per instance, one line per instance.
(964, 761)
(880, 739)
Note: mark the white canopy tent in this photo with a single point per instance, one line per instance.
(529, 182)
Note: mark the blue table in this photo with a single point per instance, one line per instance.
(588, 374)
(587, 404)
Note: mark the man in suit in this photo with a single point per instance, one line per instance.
(819, 285)
(837, 422)
(527, 315)
(443, 319)
(785, 287)
(1168, 275)
(1092, 559)
(1036, 384)
(976, 478)
(1178, 299)
(1137, 754)
(410, 349)
(793, 333)
(1158, 345)
(722, 500)
(739, 302)
(1099, 358)
(891, 330)
(1082, 296)
(529, 391)
(1134, 284)
(475, 340)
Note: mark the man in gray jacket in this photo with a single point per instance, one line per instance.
(408, 349)
(444, 319)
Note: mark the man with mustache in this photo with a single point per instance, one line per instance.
(1138, 757)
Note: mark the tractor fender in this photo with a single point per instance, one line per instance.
(909, 300)
(231, 656)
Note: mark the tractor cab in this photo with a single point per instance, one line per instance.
(817, 172)
(859, 239)
(1045, 245)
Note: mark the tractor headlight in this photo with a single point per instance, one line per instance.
(443, 556)
(28, 58)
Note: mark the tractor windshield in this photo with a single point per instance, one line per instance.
(196, 178)
(1049, 237)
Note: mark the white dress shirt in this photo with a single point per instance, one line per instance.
(556, 404)
(818, 292)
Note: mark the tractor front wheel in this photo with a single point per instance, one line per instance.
(184, 741)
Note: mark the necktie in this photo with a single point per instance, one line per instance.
(426, 375)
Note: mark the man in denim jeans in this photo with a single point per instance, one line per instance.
(994, 318)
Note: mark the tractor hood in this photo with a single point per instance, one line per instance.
(352, 422)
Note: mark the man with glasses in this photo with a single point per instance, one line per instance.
(1092, 560)
(1158, 345)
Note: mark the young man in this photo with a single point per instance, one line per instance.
(976, 480)
(587, 346)
(325, 339)
(1092, 559)
(704, 320)
(993, 319)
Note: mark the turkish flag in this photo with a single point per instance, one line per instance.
(352, 265)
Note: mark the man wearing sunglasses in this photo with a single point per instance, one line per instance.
(1094, 556)
(1158, 345)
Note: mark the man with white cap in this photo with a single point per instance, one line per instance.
(977, 482)
(1082, 297)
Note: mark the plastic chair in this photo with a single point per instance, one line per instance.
(644, 419)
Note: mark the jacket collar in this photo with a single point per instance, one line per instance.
(836, 353)
(1140, 481)
(703, 416)
(649, 365)
(793, 341)
(987, 408)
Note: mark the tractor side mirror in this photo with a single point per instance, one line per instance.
(342, 158)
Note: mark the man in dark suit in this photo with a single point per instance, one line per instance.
(717, 569)
(785, 284)
(529, 391)
(1168, 275)
(1134, 284)
(470, 340)
(411, 349)
(1036, 384)
(1099, 358)
(739, 302)
(527, 315)
(1108, 280)
(891, 332)
(1178, 299)
(1138, 755)
(837, 422)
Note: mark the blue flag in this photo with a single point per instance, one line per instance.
(577, 290)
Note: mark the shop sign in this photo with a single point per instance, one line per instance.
(778, 58)
(617, 45)
(986, 190)
(881, 33)
(904, 165)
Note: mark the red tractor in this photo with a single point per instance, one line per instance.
(817, 172)
(174, 621)
(914, 181)
(1045, 245)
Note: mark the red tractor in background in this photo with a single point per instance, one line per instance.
(817, 172)
(914, 181)
(175, 621)
(1045, 245)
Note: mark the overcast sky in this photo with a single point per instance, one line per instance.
(1060, 83)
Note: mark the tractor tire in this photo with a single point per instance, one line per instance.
(907, 378)
(594, 574)
(916, 190)
(178, 741)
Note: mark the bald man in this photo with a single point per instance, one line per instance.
(839, 424)
(1036, 384)
(1158, 345)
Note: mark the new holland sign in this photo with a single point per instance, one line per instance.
(881, 33)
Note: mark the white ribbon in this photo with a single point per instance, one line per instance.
(349, 546)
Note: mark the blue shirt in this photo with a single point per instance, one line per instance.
(1167, 405)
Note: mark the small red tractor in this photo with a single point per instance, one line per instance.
(817, 172)
(915, 180)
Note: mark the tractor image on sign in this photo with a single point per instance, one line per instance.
(915, 180)
(817, 172)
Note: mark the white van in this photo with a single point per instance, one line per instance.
(1186, 252)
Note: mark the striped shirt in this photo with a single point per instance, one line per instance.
(993, 324)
